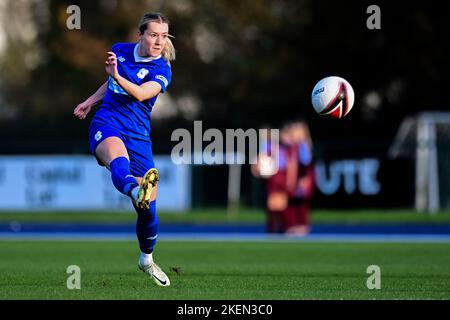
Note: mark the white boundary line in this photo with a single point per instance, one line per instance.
(232, 237)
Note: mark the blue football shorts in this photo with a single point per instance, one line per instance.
(139, 151)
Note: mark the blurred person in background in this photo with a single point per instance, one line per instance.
(119, 133)
(275, 180)
(300, 179)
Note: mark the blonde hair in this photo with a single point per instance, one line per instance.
(168, 51)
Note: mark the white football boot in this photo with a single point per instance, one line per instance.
(156, 273)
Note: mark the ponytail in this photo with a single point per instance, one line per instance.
(168, 52)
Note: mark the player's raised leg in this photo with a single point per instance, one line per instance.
(113, 153)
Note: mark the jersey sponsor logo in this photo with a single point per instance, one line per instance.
(163, 79)
(142, 73)
(98, 136)
(114, 87)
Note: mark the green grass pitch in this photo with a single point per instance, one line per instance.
(225, 270)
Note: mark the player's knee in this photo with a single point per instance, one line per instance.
(110, 149)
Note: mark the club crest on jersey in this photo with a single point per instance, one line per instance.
(142, 73)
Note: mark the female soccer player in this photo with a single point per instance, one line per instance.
(119, 133)
(300, 179)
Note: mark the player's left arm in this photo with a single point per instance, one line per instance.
(141, 92)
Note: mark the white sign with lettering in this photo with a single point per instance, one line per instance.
(79, 183)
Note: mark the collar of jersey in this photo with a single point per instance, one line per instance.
(138, 58)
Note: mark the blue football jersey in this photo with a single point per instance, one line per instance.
(122, 111)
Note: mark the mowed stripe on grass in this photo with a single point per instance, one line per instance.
(225, 270)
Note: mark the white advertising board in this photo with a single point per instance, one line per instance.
(79, 183)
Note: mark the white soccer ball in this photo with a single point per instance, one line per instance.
(333, 97)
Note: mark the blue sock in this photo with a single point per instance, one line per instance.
(121, 176)
(147, 227)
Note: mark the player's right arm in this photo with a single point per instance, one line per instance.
(83, 108)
